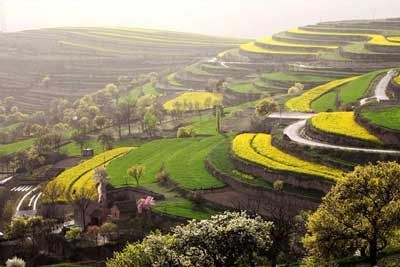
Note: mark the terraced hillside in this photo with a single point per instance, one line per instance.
(71, 62)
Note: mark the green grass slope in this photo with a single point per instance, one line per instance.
(183, 160)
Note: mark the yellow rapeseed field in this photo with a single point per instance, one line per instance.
(189, 101)
(342, 123)
(253, 48)
(397, 80)
(303, 102)
(257, 148)
(66, 180)
(375, 39)
(271, 41)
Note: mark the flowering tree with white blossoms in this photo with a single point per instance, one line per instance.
(229, 239)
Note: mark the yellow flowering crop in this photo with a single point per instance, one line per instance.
(257, 148)
(71, 176)
(303, 102)
(191, 98)
(342, 123)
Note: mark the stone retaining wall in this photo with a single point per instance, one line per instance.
(293, 179)
(301, 202)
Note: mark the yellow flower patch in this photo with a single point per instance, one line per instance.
(342, 123)
(303, 102)
(257, 148)
(188, 101)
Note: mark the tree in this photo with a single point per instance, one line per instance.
(8, 212)
(360, 213)
(100, 121)
(114, 91)
(136, 172)
(265, 107)
(229, 239)
(106, 139)
(79, 138)
(127, 108)
(108, 230)
(150, 122)
(51, 194)
(84, 125)
(74, 234)
(82, 199)
(18, 229)
(8, 103)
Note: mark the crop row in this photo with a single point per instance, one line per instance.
(253, 48)
(303, 102)
(374, 39)
(194, 101)
(342, 123)
(257, 148)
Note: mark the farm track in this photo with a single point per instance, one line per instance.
(295, 132)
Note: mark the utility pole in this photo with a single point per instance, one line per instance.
(3, 24)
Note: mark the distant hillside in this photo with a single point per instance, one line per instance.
(83, 60)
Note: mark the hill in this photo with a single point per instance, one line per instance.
(71, 62)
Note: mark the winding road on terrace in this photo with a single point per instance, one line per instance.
(295, 132)
(380, 90)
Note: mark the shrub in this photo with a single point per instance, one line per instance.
(266, 106)
(15, 262)
(73, 234)
(187, 131)
(229, 239)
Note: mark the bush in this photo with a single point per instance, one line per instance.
(15, 262)
(229, 239)
(266, 106)
(187, 131)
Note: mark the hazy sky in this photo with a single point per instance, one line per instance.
(242, 18)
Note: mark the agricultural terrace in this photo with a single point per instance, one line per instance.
(273, 42)
(183, 208)
(172, 81)
(74, 149)
(346, 94)
(257, 148)
(68, 178)
(342, 123)
(397, 80)
(243, 87)
(281, 76)
(386, 117)
(394, 39)
(253, 48)
(374, 39)
(303, 102)
(194, 101)
(183, 160)
(15, 147)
